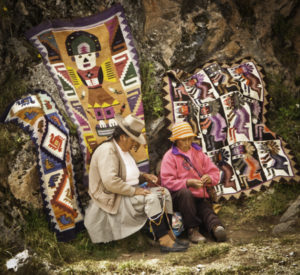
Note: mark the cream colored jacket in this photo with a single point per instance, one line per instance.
(107, 177)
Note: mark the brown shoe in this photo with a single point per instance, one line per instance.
(220, 233)
(195, 236)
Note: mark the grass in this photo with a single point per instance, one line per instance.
(105, 267)
(266, 204)
(262, 205)
(183, 270)
(219, 272)
(133, 267)
(80, 256)
(82, 252)
(205, 252)
(239, 270)
(284, 112)
(43, 242)
(38, 237)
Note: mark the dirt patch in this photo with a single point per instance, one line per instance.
(250, 249)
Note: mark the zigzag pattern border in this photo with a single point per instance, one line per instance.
(68, 234)
(129, 39)
(167, 104)
(95, 20)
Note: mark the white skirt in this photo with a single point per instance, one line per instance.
(130, 218)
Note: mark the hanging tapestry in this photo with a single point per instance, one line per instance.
(95, 66)
(226, 107)
(38, 115)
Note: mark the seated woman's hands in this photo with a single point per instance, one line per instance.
(150, 178)
(141, 191)
(198, 183)
(206, 179)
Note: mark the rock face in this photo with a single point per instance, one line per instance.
(23, 179)
(290, 220)
(187, 34)
(170, 34)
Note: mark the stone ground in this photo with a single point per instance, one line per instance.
(250, 249)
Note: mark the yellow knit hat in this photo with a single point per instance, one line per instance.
(181, 130)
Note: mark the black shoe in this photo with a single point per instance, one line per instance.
(182, 242)
(175, 248)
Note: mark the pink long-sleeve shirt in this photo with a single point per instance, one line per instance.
(175, 170)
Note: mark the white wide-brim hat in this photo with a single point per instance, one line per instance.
(132, 126)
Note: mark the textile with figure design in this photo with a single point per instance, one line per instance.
(95, 66)
(226, 107)
(38, 115)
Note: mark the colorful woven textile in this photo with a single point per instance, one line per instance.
(95, 66)
(226, 107)
(38, 115)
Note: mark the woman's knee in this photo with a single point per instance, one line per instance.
(166, 192)
(185, 194)
(152, 198)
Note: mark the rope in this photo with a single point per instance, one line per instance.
(160, 215)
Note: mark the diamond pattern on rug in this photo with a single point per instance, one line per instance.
(37, 114)
(54, 141)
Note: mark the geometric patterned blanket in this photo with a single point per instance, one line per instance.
(95, 67)
(37, 114)
(226, 107)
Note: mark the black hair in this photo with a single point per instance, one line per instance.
(118, 132)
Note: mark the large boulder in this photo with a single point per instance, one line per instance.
(24, 180)
(290, 220)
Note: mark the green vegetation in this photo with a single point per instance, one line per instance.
(11, 139)
(12, 88)
(240, 270)
(38, 237)
(219, 272)
(152, 98)
(201, 251)
(284, 113)
(80, 256)
(261, 206)
(72, 127)
(288, 240)
(133, 267)
(183, 270)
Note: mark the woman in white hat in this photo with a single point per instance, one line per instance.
(118, 206)
(186, 171)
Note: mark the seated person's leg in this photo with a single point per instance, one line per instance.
(210, 220)
(184, 202)
(155, 212)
